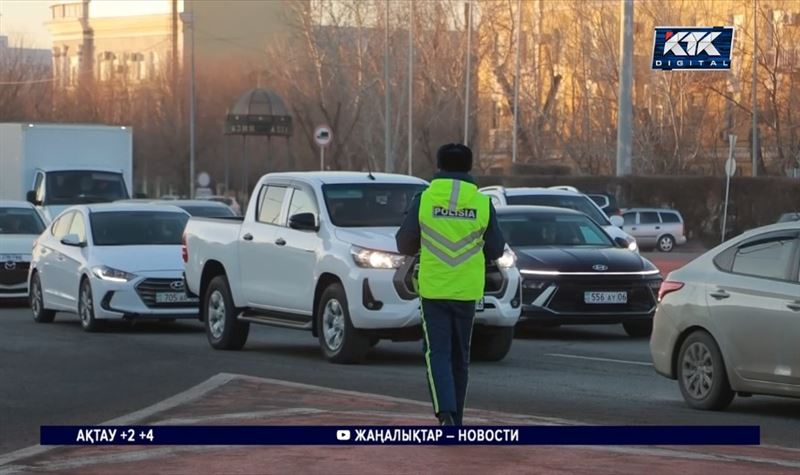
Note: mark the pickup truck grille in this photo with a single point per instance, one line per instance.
(148, 288)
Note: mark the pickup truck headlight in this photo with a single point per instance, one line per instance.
(507, 260)
(373, 259)
(112, 275)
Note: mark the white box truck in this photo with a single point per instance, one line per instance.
(58, 165)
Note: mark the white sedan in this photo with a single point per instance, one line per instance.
(111, 261)
(20, 225)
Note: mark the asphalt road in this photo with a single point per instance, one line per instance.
(57, 374)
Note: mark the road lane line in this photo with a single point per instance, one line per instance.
(597, 358)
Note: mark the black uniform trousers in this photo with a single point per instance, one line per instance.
(447, 332)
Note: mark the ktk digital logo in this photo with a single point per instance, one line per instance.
(693, 48)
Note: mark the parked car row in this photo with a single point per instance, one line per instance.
(316, 252)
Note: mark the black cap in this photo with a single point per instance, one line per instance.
(454, 157)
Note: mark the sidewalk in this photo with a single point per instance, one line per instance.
(234, 399)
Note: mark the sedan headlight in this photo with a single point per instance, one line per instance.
(507, 260)
(372, 259)
(632, 246)
(112, 275)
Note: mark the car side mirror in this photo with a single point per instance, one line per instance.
(303, 222)
(616, 221)
(621, 242)
(72, 240)
(30, 197)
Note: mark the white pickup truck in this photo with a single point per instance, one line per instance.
(316, 251)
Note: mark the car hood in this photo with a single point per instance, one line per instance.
(17, 243)
(138, 258)
(575, 259)
(380, 238)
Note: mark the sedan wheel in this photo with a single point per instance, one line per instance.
(86, 308)
(40, 314)
(701, 373)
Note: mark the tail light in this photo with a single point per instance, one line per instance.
(184, 249)
(668, 286)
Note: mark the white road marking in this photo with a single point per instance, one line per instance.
(597, 358)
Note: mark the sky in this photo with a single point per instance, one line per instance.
(23, 20)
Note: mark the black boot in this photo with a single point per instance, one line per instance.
(446, 419)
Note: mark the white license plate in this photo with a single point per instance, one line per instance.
(480, 305)
(11, 258)
(174, 297)
(605, 297)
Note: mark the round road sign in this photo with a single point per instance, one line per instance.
(323, 135)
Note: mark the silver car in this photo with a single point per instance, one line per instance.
(729, 322)
(659, 228)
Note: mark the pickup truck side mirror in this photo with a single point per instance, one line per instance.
(30, 197)
(303, 222)
(72, 240)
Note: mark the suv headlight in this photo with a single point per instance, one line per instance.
(112, 275)
(507, 260)
(372, 259)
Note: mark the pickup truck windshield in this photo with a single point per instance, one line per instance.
(20, 221)
(84, 186)
(354, 205)
(137, 228)
(578, 203)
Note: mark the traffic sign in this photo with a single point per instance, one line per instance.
(323, 135)
(203, 179)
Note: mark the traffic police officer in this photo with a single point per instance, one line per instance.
(453, 227)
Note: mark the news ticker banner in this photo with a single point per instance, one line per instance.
(400, 435)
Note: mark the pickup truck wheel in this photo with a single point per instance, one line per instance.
(491, 343)
(340, 341)
(223, 329)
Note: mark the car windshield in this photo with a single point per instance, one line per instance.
(534, 230)
(369, 204)
(578, 203)
(86, 186)
(208, 211)
(20, 221)
(136, 228)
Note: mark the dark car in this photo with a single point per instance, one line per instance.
(574, 273)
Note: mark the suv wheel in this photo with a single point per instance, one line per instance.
(36, 296)
(701, 373)
(666, 243)
(339, 340)
(491, 343)
(223, 329)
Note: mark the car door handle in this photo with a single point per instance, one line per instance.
(795, 306)
(248, 237)
(658, 227)
(720, 294)
(280, 242)
(633, 229)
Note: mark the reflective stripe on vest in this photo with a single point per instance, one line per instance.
(453, 217)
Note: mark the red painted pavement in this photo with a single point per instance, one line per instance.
(252, 401)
